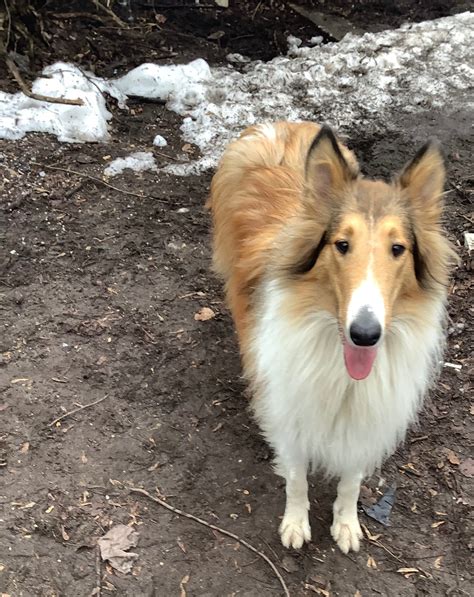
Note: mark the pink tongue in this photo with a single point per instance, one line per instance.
(359, 360)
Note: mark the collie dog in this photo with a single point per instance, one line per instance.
(337, 286)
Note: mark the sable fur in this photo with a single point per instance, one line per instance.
(282, 197)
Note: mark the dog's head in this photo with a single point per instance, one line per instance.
(364, 250)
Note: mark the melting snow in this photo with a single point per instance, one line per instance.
(20, 114)
(160, 141)
(357, 82)
(138, 161)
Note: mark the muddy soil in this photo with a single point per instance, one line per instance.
(99, 288)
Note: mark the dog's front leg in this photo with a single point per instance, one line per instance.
(345, 528)
(294, 528)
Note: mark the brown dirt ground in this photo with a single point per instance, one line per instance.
(98, 291)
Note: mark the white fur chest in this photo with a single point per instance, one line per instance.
(307, 404)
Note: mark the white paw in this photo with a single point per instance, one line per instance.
(295, 530)
(346, 533)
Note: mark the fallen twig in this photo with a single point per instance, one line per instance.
(165, 155)
(98, 568)
(37, 96)
(110, 12)
(90, 177)
(76, 410)
(218, 529)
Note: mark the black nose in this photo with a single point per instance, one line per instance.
(365, 330)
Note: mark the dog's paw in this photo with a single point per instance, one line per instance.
(346, 533)
(295, 530)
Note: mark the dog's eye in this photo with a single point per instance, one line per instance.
(342, 246)
(397, 250)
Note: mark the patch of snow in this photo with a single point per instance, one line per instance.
(238, 58)
(294, 41)
(188, 168)
(138, 161)
(180, 86)
(20, 114)
(469, 240)
(355, 84)
(160, 141)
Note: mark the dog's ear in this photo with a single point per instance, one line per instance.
(422, 182)
(329, 167)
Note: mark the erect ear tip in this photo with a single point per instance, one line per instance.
(324, 135)
(326, 131)
(432, 147)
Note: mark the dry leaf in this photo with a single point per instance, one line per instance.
(204, 314)
(467, 467)
(25, 447)
(317, 590)
(249, 508)
(181, 545)
(184, 581)
(29, 505)
(371, 563)
(452, 456)
(437, 562)
(113, 546)
(437, 524)
(369, 535)
(409, 467)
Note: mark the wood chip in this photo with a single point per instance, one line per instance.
(204, 314)
(371, 563)
(184, 581)
(24, 448)
(452, 456)
(408, 571)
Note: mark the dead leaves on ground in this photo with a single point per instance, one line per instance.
(182, 586)
(114, 545)
(204, 314)
(451, 456)
(466, 467)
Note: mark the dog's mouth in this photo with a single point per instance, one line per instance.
(359, 360)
